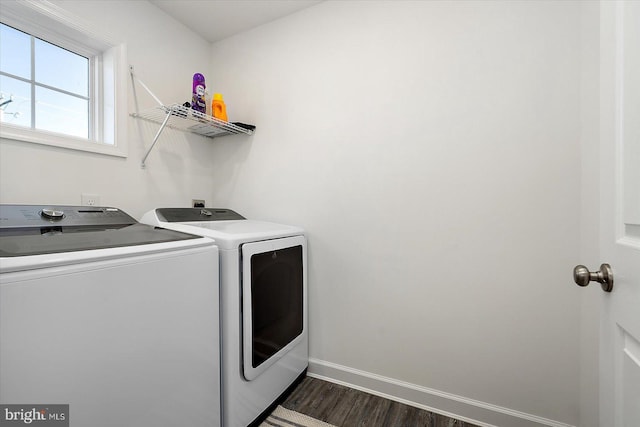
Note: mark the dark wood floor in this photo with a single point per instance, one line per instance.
(345, 407)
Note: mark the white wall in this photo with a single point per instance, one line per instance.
(432, 151)
(165, 55)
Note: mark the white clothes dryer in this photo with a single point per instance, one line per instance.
(263, 297)
(116, 319)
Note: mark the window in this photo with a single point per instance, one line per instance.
(46, 86)
(61, 84)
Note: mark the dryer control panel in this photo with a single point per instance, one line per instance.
(196, 214)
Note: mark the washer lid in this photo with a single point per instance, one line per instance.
(36, 230)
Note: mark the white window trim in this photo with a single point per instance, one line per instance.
(53, 24)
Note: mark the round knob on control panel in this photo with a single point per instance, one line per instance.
(52, 214)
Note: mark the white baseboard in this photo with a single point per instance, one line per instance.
(469, 410)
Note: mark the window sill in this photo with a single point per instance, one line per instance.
(62, 141)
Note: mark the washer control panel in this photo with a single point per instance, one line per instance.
(25, 216)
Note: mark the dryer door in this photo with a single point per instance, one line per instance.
(274, 295)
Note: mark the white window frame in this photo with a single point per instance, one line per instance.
(108, 79)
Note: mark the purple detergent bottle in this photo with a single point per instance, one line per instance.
(198, 102)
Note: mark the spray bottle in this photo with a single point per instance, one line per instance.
(198, 103)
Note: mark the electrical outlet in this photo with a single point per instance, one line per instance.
(197, 203)
(89, 199)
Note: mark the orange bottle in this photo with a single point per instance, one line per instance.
(218, 109)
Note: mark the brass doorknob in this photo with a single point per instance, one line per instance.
(582, 276)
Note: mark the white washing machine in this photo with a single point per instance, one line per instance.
(116, 319)
(263, 297)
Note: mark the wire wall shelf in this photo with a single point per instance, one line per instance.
(189, 120)
(179, 117)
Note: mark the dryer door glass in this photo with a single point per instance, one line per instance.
(276, 301)
(273, 304)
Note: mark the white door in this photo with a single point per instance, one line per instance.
(620, 212)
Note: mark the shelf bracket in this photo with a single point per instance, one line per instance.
(144, 86)
(155, 138)
(164, 122)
